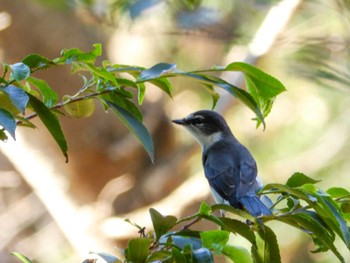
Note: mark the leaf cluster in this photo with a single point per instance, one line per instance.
(114, 86)
(299, 203)
(323, 215)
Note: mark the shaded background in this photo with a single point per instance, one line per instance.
(57, 212)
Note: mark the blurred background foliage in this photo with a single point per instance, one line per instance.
(110, 176)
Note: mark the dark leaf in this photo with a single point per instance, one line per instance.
(136, 127)
(238, 227)
(3, 136)
(118, 97)
(51, 122)
(19, 71)
(299, 179)
(311, 223)
(330, 212)
(267, 249)
(8, 122)
(161, 224)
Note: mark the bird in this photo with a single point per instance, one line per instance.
(228, 165)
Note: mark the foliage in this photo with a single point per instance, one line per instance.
(323, 218)
(21, 91)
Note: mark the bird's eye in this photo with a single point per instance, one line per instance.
(197, 121)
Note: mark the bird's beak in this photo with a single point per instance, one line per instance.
(180, 121)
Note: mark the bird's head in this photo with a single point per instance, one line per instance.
(206, 126)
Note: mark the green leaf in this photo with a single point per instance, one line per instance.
(80, 109)
(156, 71)
(310, 222)
(267, 249)
(238, 227)
(159, 256)
(138, 250)
(50, 97)
(177, 256)
(241, 94)
(299, 179)
(214, 95)
(141, 88)
(161, 224)
(118, 97)
(164, 85)
(136, 127)
(267, 86)
(215, 239)
(51, 122)
(329, 212)
(17, 97)
(338, 192)
(3, 136)
(205, 209)
(237, 254)
(35, 61)
(8, 122)
(21, 257)
(19, 71)
(76, 55)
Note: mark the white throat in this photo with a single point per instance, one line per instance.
(206, 140)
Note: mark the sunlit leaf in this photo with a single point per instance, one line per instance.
(80, 109)
(267, 86)
(338, 192)
(299, 179)
(237, 254)
(50, 97)
(75, 54)
(23, 258)
(215, 239)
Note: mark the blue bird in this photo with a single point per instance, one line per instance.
(228, 165)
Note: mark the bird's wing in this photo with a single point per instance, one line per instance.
(222, 174)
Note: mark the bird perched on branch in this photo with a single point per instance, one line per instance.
(228, 165)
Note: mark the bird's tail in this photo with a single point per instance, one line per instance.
(254, 206)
